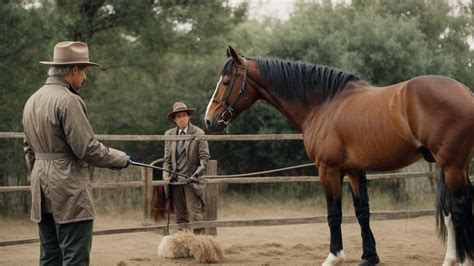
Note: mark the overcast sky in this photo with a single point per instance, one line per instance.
(280, 9)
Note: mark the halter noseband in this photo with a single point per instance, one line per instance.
(228, 112)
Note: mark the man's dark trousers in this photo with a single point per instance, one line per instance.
(64, 244)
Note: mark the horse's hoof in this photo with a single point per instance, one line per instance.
(367, 263)
(450, 262)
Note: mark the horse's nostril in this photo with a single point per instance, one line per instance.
(208, 123)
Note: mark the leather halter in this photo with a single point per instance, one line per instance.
(229, 109)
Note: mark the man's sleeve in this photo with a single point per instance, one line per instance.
(204, 157)
(29, 157)
(167, 160)
(80, 137)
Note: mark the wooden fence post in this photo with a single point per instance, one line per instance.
(147, 177)
(211, 198)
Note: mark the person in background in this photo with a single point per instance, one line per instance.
(187, 157)
(60, 149)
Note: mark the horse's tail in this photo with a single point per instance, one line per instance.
(460, 208)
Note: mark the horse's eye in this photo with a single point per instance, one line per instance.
(225, 83)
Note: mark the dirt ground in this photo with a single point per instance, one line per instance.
(399, 242)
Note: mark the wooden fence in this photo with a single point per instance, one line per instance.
(213, 181)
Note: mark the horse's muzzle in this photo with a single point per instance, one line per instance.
(208, 123)
(216, 126)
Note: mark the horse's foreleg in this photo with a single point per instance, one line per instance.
(331, 179)
(362, 211)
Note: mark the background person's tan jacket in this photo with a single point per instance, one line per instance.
(197, 155)
(59, 145)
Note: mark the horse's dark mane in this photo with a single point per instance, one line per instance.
(298, 81)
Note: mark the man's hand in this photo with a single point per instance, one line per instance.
(129, 160)
(195, 178)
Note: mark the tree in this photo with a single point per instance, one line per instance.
(149, 61)
(382, 41)
(446, 29)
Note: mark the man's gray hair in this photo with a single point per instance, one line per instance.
(58, 71)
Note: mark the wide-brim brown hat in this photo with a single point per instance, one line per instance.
(70, 53)
(179, 107)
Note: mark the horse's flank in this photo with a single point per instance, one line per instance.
(379, 129)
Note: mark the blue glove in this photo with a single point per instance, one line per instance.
(129, 160)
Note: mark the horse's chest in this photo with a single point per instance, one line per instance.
(323, 145)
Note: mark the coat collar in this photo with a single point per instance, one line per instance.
(191, 129)
(61, 82)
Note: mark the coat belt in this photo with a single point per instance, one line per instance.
(53, 156)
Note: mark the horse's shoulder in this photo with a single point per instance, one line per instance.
(324, 144)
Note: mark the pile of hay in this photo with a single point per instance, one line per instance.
(204, 249)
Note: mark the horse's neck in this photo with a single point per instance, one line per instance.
(297, 112)
(293, 111)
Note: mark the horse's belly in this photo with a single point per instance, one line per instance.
(381, 158)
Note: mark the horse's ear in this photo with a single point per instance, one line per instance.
(235, 56)
(227, 52)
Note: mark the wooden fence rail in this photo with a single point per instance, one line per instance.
(216, 179)
(213, 181)
(244, 137)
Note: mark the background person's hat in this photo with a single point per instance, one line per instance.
(177, 108)
(70, 53)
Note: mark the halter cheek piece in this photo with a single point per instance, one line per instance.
(228, 112)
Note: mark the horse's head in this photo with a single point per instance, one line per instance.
(233, 93)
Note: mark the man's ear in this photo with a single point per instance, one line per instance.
(74, 70)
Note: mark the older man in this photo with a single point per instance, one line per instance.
(187, 157)
(59, 148)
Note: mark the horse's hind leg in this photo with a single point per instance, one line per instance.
(450, 257)
(331, 180)
(455, 215)
(362, 211)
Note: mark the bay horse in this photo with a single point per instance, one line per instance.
(350, 127)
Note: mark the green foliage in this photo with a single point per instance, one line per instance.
(153, 54)
(382, 41)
